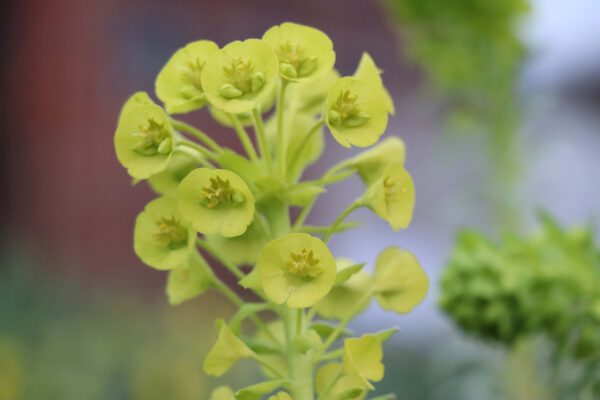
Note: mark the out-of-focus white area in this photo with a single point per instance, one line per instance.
(560, 160)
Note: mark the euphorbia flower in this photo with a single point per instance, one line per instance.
(400, 282)
(240, 77)
(144, 139)
(355, 112)
(392, 196)
(362, 358)
(371, 163)
(178, 84)
(227, 350)
(216, 201)
(341, 300)
(162, 238)
(296, 269)
(304, 53)
(189, 280)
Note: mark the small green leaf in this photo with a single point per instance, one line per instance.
(344, 274)
(308, 341)
(246, 169)
(324, 329)
(257, 391)
(301, 195)
(386, 334)
(188, 281)
(245, 311)
(227, 350)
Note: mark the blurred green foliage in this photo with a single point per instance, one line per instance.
(547, 284)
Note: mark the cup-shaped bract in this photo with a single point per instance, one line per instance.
(355, 112)
(188, 281)
(309, 97)
(368, 72)
(371, 163)
(216, 201)
(241, 76)
(243, 249)
(304, 53)
(362, 358)
(162, 238)
(346, 386)
(296, 269)
(167, 181)
(227, 350)
(144, 139)
(178, 84)
(392, 196)
(400, 282)
(341, 301)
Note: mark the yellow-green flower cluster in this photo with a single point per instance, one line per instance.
(236, 208)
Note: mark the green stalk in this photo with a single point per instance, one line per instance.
(244, 138)
(281, 149)
(305, 141)
(200, 149)
(259, 128)
(338, 221)
(192, 130)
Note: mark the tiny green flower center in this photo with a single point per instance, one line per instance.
(294, 63)
(220, 193)
(153, 138)
(393, 189)
(170, 233)
(191, 72)
(304, 265)
(242, 77)
(346, 111)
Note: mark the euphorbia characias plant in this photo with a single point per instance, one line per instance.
(249, 211)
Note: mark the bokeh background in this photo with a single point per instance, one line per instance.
(82, 318)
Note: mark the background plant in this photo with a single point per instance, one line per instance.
(241, 206)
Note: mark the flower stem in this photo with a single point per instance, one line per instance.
(229, 265)
(281, 148)
(338, 221)
(200, 149)
(300, 148)
(244, 138)
(197, 133)
(259, 128)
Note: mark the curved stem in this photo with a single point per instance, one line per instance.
(205, 152)
(244, 138)
(340, 219)
(259, 128)
(281, 148)
(300, 148)
(195, 155)
(229, 265)
(192, 130)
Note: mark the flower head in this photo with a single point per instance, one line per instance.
(227, 350)
(162, 239)
(355, 112)
(216, 201)
(296, 269)
(371, 163)
(342, 298)
(240, 77)
(144, 139)
(400, 282)
(304, 53)
(178, 84)
(392, 196)
(362, 358)
(189, 280)
(167, 181)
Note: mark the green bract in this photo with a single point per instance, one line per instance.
(355, 112)
(400, 282)
(144, 139)
(368, 72)
(296, 269)
(371, 163)
(392, 196)
(362, 358)
(178, 84)
(167, 181)
(343, 297)
(304, 53)
(227, 350)
(347, 387)
(188, 281)
(216, 201)
(241, 76)
(162, 239)
(243, 249)
(309, 97)
(222, 393)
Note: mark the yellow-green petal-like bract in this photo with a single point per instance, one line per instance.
(296, 269)
(144, 139)
(355, 112)
(178, 83)
(241, 76)
(327, 374)
(392, 196)
(216, 201)
(188, 281)
(162, 238)
(400, 282)
(304, 53)
(243, 249)
(368, 72)
(371, 163)
(362, 357)
(227, 350)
